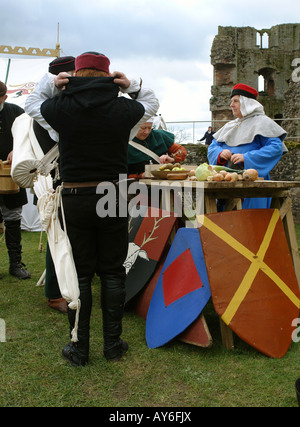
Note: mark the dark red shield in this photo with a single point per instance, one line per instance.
(148, 235)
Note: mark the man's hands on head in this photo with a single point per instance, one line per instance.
(120, 79)
(61, 80)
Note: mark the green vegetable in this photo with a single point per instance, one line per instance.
(218, 168)
(202, 172)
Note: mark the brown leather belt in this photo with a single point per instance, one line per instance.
(79, 184)
(85, 184)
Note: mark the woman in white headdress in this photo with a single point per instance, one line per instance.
(251, 141)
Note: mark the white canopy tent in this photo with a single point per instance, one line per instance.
(30, 215)
(21, 76)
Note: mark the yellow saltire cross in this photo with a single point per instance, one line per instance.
(257, 263)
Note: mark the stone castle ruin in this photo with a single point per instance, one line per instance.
(264, 59)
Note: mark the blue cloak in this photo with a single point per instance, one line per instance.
(261, 154)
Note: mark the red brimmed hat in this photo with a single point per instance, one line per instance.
(245, 90)
(93, 60)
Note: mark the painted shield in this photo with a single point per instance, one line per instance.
(252, 278)
(148, 235)
(196, 334)
(181, 292)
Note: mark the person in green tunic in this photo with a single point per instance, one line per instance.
(159, 141)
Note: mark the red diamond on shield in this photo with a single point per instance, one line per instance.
(180, 278)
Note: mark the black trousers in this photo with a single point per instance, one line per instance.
(99, 246)
(52, 290)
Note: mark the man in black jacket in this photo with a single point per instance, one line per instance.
(94, 125)
(11, 204)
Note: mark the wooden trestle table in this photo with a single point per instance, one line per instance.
(232, 193)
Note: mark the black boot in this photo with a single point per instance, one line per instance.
(112, 303)
(78, 353)
(13, 244)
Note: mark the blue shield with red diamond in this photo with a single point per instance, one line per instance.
(182, 290)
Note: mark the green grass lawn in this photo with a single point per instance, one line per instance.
(33, 373)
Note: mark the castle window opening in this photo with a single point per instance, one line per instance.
(262, 39)
(265, 41)
(258, 39)
(261, 84)
(266, 82)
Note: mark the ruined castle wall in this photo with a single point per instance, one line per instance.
(238, 55)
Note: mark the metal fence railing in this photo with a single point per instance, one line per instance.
(190, 132)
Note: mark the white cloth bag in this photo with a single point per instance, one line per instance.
(28, 157)
(61, 251)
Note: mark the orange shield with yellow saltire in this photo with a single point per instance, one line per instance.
(252, 278)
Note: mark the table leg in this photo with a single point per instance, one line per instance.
(227, 336)
(226, 332)
(286, 215)
(292, 242)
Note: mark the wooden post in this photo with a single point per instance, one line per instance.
(226, 333)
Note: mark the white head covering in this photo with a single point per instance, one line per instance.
(250, 106)
(254, 122)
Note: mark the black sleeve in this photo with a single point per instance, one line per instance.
(48, 111)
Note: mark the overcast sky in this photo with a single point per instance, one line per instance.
(166, 42)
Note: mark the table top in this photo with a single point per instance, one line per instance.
(225, 184)
(259, 187)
